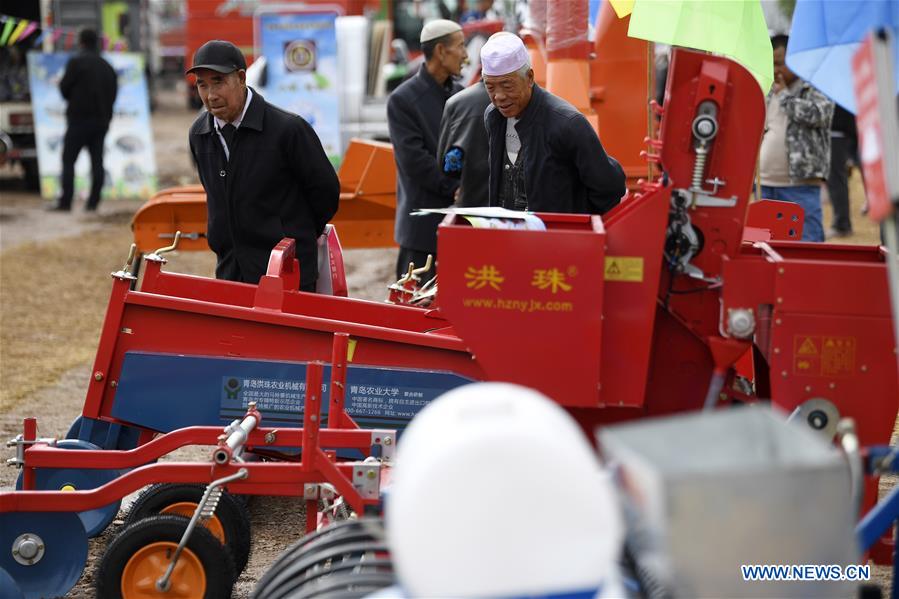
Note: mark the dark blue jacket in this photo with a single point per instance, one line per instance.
(278, 183)
(566, 168)
(413, 116)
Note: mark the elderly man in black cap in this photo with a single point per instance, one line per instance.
(544, 155)
(264, 170)
(413, 117)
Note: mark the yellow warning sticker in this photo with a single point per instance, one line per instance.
(624, 268)
(838, 356)
(816, 355)
(807, 347)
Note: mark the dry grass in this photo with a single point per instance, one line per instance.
(51, 298)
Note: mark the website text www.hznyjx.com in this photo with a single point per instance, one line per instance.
(518, 305)
(800, 572)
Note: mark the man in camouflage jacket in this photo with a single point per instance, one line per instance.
(795, 155)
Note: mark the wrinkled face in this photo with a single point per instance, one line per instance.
(781, 71)
(223, 94)
(453, 54)
(510, 93)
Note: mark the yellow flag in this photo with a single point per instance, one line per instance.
(622, 7)
(17, 31)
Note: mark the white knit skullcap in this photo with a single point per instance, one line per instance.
(503, 54)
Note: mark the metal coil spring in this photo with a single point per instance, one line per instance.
(699, 167)
(212, 502)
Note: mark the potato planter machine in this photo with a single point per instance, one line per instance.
(668, 303)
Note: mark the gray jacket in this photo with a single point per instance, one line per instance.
(462, 132)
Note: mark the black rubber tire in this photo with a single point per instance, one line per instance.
(317, 563)
(231, 512)
(218, 565)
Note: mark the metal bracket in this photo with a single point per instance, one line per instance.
(323, 491)
(886, 463)
(192, 236)
(20, 443)
(386, 440)
(125, 273)
(367, 479)
(698, 198)
(156, 256)
(701, 199)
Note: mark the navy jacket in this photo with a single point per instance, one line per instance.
(413, 117)
(463, 127)
(566, 168)
(278, 183)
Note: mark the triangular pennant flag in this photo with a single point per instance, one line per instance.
(14, 36)
(7, 30)
(32, 25)
(622, 8)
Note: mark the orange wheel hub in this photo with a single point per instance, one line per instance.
(187, 508)
(150, 563)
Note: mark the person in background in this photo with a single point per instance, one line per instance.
(543, 154)
(795, 153)
(462, 148)
(481, 9)
(413, 119)
(843, 148)
(89, 86)
(264, 170)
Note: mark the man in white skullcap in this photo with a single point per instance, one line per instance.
(462, 149)
(544, 155)
(413, 118)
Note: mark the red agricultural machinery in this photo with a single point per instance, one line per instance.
(669, 303)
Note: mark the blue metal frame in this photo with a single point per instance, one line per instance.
(882, 516)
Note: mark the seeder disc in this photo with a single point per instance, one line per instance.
(76, 479)
(98, 432)
(43, 552)
(8, 586)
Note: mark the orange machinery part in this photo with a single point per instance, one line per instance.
(612, 86)
(622, 76)
(364, 219)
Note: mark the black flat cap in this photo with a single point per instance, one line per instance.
(218, 55)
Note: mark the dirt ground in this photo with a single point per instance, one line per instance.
(54, 285)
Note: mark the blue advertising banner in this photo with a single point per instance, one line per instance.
(128, 158)
(300, 50)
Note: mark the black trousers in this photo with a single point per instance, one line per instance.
(88, 133)
(418, 258)
(838, 184)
